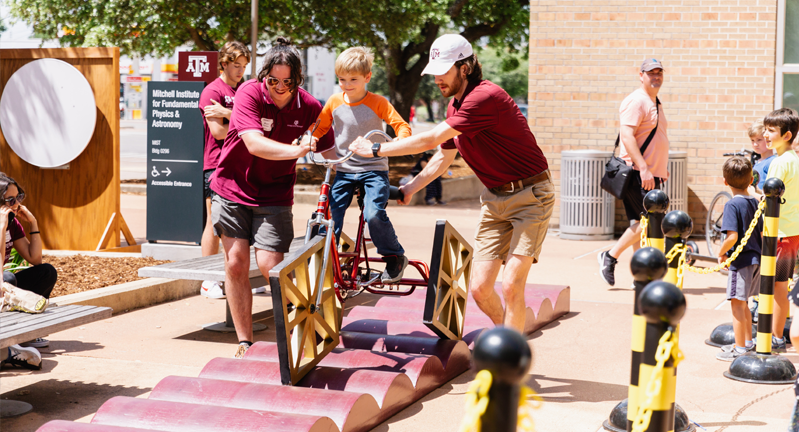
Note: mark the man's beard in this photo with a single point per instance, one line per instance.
(455, 88)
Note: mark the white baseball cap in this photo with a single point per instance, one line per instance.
(445, 51)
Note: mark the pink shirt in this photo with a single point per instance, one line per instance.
(495, 139)
(639, 111)
(14, 232)
(219, 91)
(250, 180)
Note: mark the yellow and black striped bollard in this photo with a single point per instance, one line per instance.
(762, 366)
(656, 203)
(677, 227)
(663, 305)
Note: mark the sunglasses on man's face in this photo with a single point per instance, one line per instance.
(272, 81)
(14, 200)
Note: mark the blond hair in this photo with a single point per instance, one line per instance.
(756, 129)
(231, 51)
(355, 60)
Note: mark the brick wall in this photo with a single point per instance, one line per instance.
(719, 61)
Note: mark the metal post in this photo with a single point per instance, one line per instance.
(648, 264)
(254, 38)
(503, 352)
(663, 305)
(677, 226)
(763, 367)
(656, 203)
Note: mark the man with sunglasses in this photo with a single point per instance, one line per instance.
(254, 180)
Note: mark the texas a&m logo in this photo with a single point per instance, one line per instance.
(198, 65)
(434, 53)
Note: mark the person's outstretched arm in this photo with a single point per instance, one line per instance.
(412, 145)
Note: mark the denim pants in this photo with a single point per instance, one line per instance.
(375, 186)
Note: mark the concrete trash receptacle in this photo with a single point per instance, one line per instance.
(586, 210)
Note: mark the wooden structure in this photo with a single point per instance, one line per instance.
(77, 208)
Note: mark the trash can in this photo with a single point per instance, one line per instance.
(676, 187)
(586, 210)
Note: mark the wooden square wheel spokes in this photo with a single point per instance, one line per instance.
(305, 333)
(448, 286)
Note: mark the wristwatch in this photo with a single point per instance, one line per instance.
(375, 149)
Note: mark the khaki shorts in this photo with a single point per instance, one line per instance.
(515, 224)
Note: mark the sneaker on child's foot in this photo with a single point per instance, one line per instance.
(395, 267)
(430, 202)
(241, 350)
(36, 343)
(212, 289)
(439, 201)
(777, 346)
(729, 356)
(28, 358)
(607, 267)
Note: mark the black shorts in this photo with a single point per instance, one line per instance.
(633, 197)
(207, 192)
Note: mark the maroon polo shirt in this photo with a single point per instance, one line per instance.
(219, 91)
(14, 232)
(250, 180)
(495, 139)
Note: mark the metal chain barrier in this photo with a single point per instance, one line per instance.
(668, 347)
(477, 402)
(644, 224)
(703, 270)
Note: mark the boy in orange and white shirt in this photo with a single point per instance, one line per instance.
(354, 113)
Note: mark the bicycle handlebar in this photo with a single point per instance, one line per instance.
(326, 162)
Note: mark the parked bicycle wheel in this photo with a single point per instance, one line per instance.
(715, 212)
(305, 334)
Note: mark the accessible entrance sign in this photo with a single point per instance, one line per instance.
(175, 203)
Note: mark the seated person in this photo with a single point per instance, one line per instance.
(40, 278)
(354, 113)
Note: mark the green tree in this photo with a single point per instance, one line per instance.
(506, 69)
(400, 31)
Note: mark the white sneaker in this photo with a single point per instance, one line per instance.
(259, 290)
(28, 358)
(212, 289)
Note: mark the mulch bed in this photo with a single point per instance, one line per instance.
(78, 273)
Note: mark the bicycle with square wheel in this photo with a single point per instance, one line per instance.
(310, 287)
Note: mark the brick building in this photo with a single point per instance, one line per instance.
(725, 60)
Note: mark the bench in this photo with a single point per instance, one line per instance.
(212, 268)
(18, 327)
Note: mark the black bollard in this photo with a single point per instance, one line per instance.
(763, 367)
(677, 226)
(656, 203)
(647, 265)
(663, 305)
(503, 352)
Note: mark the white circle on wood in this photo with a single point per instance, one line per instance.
(48, 113)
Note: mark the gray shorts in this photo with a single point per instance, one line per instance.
(269, 228)
(743, 283)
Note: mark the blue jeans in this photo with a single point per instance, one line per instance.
(375, 186)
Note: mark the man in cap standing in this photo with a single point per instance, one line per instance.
(641, 115)
(486, 126)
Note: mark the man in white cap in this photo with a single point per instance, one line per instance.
(645, 147)
(486, 126)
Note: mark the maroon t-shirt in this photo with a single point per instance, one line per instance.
(219, 91)
(251, 180)
(14, 232)
(495, 139)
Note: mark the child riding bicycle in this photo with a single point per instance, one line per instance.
(353, 113)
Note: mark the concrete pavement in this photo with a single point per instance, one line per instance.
(581, 366)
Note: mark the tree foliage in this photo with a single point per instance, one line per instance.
(400, 31)
(507, 70)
